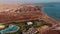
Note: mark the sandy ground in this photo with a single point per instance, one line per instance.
(8, 5)
(4, 6)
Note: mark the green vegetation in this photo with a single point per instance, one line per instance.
(23, 25)
(45, 23)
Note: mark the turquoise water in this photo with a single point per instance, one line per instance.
(52, 9)
(10, 29)
(53, 12)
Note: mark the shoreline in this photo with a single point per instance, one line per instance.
(48, 16)
(50, 20)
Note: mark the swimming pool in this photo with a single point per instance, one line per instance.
(10, 29)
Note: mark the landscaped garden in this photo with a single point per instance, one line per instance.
(24, 25)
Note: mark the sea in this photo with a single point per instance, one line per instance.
(51, 9)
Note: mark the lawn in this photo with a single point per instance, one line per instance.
(23, 25)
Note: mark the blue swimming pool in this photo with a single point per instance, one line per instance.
(10, 30)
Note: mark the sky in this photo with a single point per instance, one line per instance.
(30, 1)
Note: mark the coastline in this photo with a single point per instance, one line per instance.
(52, 21)
(33, 15)
(49, 16)
(51, 12)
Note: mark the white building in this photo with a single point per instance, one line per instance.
(2, 26)
(29, 23)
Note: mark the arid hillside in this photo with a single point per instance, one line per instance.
(17, 12)
(5, 5)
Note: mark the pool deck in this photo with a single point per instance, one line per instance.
(10, 28)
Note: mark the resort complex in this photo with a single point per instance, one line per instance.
(25, 19)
